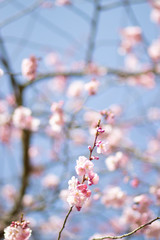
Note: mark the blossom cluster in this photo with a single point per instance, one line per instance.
(29, 68)
(17, 231)
(22, 119)
(78, 191)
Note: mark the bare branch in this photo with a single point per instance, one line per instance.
(64, 223)
(21, 14)
(113, 5)
(92, 36)
(128, 234)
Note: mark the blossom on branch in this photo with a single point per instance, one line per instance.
(17, 231)
(29, 68)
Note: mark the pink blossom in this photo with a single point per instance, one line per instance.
(94, 69)
(125, 47)
(136, 218)
(155, 15)
(47, 4)
(132, 34)
(116, 109)
(119, 160)
(78, 193)
(153, 231)
(92, 117)
(153, 146)
(75, 89)
(9, 192)
(130, 37)
(57, 119)
(53, 224)
(156, 191)
(142, 202)
(108, 115)
(57, 106)
(92, 87)
(50, 181)
(28, 200)
(58, 84)
(33, 152)
(153, 114)
(62, 2)
(83, 166)
(78, 136)
(114, 197)
(135, 182)
(154, 50)
(102, 147)
(131, 62)
(52, 59)
(22, 119)
(17, 231)
(93, 178)
(29, 68)
(155, 3)
(1, 72)
(115, 135)
(5, 133)
(145, 80)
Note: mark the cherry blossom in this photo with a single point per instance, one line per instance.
(17, 231)
(83, 166)
(29, 68)
(113, 197)
(92, 87)
(22, 119)
(78, 193)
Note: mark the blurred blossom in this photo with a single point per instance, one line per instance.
(58, 84)
(9, 192)
(92, 117)
(75, 89)
(154, 50)
(57, 118)
(33, 152)
(1, 72)
(142, 202)
(28, 200)
(153, 231)
(22, 119)
(29, 68)
(113, 197)
(155, 3)
(131, 36)
(119, 160)
(52, 59)
(78, 136)
(155, 15)
(50, 181)
(92, 87)
(153, 114)
(145, 80)
(131, 62)
(62, 2)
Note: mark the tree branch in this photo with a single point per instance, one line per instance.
(128, 234)
(64, 223)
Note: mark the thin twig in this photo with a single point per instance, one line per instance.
(128, 234)
(21, 14)
(93, 31)
(113, 5)
(120, 73)
(64, 223)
